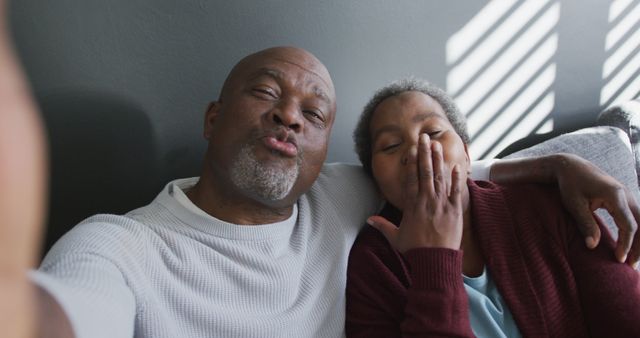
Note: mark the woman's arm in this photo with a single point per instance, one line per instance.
(584, 188)
(380, 304)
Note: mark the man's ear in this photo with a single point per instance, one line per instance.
(210, 117)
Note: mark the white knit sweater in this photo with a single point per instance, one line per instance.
(166, 271)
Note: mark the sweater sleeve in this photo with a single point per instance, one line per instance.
(437, 304)
(609, 291)
(381, 303)
(92, 292)
(481, 170)
(86, 273)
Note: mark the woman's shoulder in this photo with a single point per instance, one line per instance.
(370, 241)
(527, 195)
(527, 208)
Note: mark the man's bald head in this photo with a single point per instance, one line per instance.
(292, 55)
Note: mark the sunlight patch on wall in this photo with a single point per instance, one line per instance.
(501, 69)
(621, 69)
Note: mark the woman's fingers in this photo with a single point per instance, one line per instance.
(411, 181)
(388, 229)
(457, 185)
(425, 167)
(439, 176)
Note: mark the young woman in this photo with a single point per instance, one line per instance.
(470, 258)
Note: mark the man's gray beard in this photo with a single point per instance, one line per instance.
(269, 183)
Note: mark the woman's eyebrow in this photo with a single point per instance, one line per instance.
(386, 129)
(416, 119)
(423, 116)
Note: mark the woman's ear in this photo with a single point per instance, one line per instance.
(466, 151)
(210, 117)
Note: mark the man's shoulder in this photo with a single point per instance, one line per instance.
(109, 234)
(345, 184)
(101, 233)
(342, 169)
(343, 176)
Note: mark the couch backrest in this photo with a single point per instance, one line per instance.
(606, 147)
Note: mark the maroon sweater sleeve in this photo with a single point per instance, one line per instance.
(437, 303)
(420, 294)
(609, 291)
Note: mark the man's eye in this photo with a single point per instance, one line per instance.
(265, 92)
(314, 115)
(434, 133)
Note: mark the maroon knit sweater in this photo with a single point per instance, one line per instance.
(553, 285)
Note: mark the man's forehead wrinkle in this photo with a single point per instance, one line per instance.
(310, 70)
(267, 71)
(321, 94)
(291, 55)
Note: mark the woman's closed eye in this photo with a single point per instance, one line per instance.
(390, 147)
(433, 133)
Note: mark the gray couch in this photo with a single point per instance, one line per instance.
(613, 146)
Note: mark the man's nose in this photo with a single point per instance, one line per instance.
(288, 114)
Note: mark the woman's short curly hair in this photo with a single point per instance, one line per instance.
(362, 135)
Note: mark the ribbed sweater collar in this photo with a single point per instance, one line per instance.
(219, 228)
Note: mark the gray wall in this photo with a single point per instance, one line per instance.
(167, 58)
(149, 67)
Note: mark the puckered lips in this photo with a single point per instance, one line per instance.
(282, 142)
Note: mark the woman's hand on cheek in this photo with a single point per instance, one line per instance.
(431, 217)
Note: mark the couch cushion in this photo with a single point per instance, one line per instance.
(606, 147)
(626, 116)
